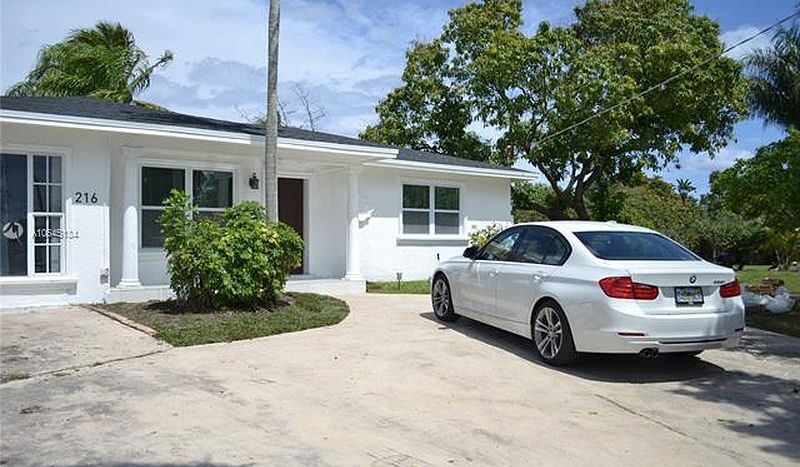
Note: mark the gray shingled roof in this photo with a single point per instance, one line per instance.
(96, 108)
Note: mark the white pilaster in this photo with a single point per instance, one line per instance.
(353, 265)
(130, 220)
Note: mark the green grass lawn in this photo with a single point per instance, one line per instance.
(405, 287)
(753, 274)
(179, 327)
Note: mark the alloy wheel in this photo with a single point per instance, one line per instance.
(548, 332)
(441, 297)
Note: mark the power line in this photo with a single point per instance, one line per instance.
(668, 80)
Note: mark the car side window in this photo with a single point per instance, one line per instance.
(532, 246)
(541, 246)
(557, 252)
(501, 246)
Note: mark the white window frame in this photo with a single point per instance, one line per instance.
(188, 168)
(30, 151)
(432, 210)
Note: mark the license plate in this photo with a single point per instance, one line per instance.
(688, 296)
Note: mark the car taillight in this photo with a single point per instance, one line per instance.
(731, 289)
(624, 287)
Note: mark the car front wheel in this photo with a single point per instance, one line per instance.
(552, 337)
(442, 300)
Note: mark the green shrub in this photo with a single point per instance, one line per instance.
(238, 260)
(481, 236)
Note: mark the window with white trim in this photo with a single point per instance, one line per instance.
(31, 197)
(211, 191)
(48, 212)
(431, 210)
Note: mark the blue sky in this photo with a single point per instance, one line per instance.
(347, 53)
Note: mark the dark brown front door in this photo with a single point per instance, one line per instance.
(291, 205)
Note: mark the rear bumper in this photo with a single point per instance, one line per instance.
(615, 331)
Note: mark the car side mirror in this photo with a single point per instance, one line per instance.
(471, 252)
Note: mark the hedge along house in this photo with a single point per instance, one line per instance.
(82, 183)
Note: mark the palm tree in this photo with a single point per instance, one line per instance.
(102, 62)
(685, 187)
(271, 137)
(775, 79)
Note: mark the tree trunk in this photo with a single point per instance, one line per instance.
(271, 142)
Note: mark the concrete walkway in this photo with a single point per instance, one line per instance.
(43, 340)
(392, 386)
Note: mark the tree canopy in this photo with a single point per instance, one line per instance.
(102, 62)
(484, 71)
(764, 186)
(775, 79)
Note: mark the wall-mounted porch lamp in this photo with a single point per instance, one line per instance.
(254, 181)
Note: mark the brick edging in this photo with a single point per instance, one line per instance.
(122, 320)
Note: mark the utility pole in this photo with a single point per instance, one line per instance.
(271, 142)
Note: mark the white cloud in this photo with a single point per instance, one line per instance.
(733, 36)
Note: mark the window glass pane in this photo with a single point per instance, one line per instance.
(55, 223)
(447, 223)
(151, 228)
(415, 222)
(157, 183)
(446, 198)
(416, 197)
(40, 229)
(557, 252)
(40, 259)
(55, 258)
(212, 189)
(499, 249)
(39, 198)
(634, 246)
(55, 198)
(55, 169)
(13, 215)
(533, 245)
(40, 169)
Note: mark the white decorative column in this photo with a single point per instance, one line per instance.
(353, 268)
(130, 221)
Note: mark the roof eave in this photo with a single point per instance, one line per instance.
(454, 169)
(173, 131)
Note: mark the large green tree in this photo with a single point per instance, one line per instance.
(766, 186)
(102, 62)
(485, 71)
(775, 79)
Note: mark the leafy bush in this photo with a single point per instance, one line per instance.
(238, 260)
(481, 236)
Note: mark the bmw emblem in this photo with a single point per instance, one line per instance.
(692, 279)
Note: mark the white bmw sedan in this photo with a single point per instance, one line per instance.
(575, 286)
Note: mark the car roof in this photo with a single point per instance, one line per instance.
(587, 226)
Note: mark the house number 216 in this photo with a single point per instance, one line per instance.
(85, 197)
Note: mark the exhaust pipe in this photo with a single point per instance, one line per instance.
(649, 353)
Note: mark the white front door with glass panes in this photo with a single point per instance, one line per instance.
(31, 214)
(211, 192)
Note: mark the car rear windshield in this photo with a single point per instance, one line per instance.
(634, 246)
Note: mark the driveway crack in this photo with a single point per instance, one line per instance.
(666, 426)
(76, 368)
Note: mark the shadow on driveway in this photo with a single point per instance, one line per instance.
(596, 367)
(772, 402)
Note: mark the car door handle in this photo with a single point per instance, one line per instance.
(493, 272)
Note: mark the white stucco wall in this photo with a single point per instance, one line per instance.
(86, 169)
(385, 251)
(95, 163)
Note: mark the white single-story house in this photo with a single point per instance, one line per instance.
(82, 183)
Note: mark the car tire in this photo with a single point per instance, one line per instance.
(551, 335)
(442, 299)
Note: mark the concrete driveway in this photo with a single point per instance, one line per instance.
(391, 386)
